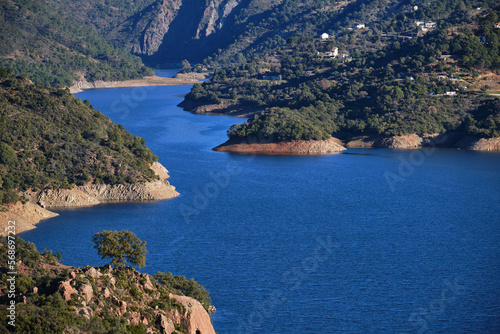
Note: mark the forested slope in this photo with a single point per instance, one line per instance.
(51, 139)
(55, 49)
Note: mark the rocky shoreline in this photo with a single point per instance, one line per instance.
(458, 140)
(295, 147)
(37, 208)
(335, 145)
(146, 81)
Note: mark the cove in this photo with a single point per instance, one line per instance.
(372, 241)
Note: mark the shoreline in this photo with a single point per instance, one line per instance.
(28, 215)
(453, 140)
(144, 82)
(294, 147)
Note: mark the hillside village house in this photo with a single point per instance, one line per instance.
(446, 57)
(332, 54)
(324, 36)
(360, 26)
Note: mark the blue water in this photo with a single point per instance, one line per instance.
(372, 241)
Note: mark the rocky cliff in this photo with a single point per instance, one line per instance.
(214, 16)
(172, 29)
(153, 25)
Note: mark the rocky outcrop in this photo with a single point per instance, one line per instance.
(138, 298)
(160, 170)
(66, 290)
(195, 319)
(485, 144)
(155, 26)
(25, 217)
(214, 16)
(296, 147)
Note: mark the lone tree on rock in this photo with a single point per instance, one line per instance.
(121, 246)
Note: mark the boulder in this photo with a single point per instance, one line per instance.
(195, 320)
(66, 290)
(166, 324)
(86, 291)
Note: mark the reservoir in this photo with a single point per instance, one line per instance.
(368, 241)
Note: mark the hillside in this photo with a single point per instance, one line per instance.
(51, 140)
(409, 79)
(228, 32)
(53, 48)
(54, 298)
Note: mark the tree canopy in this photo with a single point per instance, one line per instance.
(121, 247)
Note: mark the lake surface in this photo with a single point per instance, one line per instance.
(372, 241)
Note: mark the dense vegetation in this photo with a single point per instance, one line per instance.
(46, 311)
(55, 49)
(49, 138)
(260, 27)
(379, 83)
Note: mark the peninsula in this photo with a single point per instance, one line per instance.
(57, 151)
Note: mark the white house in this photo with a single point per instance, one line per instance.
(419, 23)
(430, 24)
(324, 36)
(360, 26)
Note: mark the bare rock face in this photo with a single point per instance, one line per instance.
(166, 324)
(486, 144)
(65, 198)
(86, 291)
(402, 142)
(296, 147)
(24, 215)
(195, 320)
(155, 28)
(66, 290)
(94, 273)
(214, 15)
(160, 170)
(414, 141)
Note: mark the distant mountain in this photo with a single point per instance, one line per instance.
(53, 48)
(224, 32)
(161, 31)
